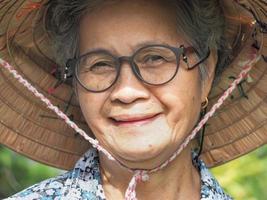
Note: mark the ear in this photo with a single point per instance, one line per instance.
(210, 73)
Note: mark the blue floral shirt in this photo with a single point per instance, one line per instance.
(84, 182)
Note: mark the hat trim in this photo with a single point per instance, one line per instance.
(246, 134)
(43, 144)
(211, 162)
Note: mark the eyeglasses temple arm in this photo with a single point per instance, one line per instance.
(69, 69)
(185, 59)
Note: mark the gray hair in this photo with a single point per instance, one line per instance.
(201, 20)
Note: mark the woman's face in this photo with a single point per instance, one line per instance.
(141, 125)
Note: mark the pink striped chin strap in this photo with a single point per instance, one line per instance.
(139, 175)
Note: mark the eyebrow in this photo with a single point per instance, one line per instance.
(150, 42)
(134, 48)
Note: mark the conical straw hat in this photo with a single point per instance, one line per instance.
(29, 128)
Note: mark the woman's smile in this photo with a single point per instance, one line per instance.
(134, 120)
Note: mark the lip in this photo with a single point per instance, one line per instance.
(125, 120)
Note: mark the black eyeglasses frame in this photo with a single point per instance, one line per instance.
(71, 65)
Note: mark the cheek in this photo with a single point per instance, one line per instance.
(182, 103)
(181, 106)
(91, 105)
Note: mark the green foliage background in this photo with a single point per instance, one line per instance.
(243, 178)
(18, 172)
(246, 177)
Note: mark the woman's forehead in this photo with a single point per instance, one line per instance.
(128, 22)
(118, 6)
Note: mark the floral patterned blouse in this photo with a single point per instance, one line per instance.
(83, 182)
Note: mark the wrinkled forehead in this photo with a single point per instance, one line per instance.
(130, 23)
(111, 9)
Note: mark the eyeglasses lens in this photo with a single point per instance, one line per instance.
(155, 65)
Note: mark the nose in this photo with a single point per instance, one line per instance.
(128, 87)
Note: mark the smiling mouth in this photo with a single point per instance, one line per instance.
(134, 121)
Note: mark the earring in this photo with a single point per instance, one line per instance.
(205, 103)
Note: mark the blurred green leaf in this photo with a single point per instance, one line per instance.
(18, 172)
(246, 177)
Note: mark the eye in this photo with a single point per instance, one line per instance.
(98, 67)
(153, 60)
(102, 67)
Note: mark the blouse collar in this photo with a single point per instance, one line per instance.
(210, 188)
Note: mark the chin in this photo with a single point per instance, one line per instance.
(142, 157)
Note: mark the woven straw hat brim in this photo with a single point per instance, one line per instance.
(29, 128)
(26, 125)
(240, 125)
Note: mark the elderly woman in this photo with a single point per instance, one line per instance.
(142, 72)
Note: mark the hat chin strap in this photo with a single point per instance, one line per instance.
(139, 175)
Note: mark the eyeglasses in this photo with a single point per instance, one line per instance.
(97, 71)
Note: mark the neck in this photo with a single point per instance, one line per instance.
(179, 180)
